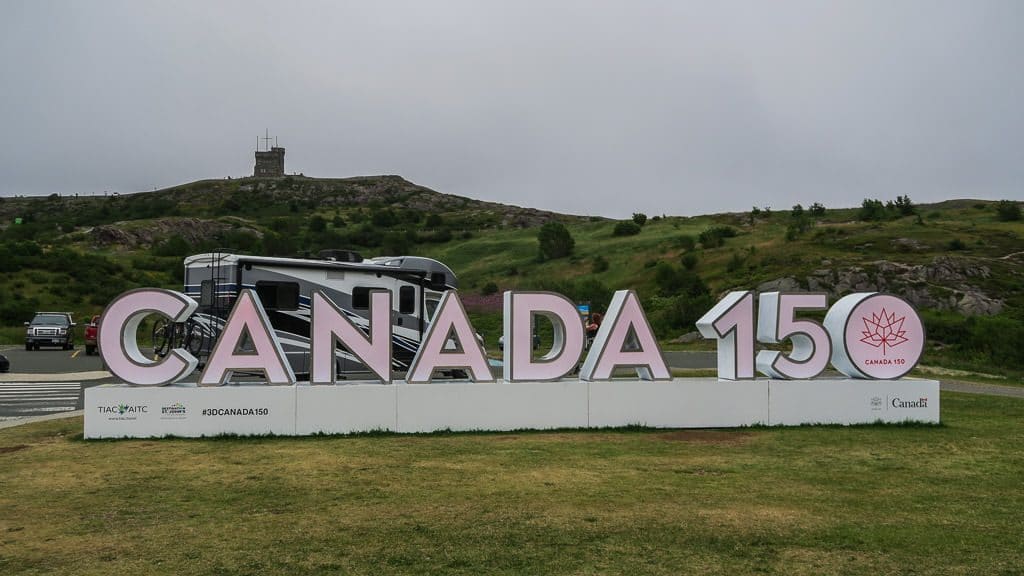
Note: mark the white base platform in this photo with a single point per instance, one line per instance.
(123, 411)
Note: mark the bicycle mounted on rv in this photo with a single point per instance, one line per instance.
(285, 287)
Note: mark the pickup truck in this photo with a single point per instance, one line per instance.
(50, 329)
(90, 335)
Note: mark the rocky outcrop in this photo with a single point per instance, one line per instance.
(946, 283)
(147, 234)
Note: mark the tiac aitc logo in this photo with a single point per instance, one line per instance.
(884, 330)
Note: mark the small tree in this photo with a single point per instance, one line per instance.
(797, 212)
(317, 223)
(904, 206)
(555, 241)
(1008, 211)
(639, 218)
(817, 209)
(871, 210)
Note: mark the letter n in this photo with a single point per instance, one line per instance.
(329, 324)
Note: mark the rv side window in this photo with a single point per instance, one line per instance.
(206, 293)
(407, 300)
(278, 295)
(361, 298)
(431, 306)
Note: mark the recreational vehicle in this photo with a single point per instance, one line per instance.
(285, 287)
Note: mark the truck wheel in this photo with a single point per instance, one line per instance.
(28, 347)
(90, 350)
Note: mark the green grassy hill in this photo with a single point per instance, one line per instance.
(960, 261)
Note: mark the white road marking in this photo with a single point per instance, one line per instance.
(34, 398)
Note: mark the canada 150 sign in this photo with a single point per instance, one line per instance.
(865, 335)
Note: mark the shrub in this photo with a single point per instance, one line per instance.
(800, 224)
(173, 246)
(957, 244)
(979, 341)
(672, 281)
(489, 288)
(554, 241)
(1008, 211)
(317, 223)
(396, 243)
(599, 265)
(686, 242)
(689, 260)
(715, 236)
(626, 228)
(383, 218)
(735, 263)
(797, 211)
(639, 218)
(817, 209)
(439, 236)
(871, 210)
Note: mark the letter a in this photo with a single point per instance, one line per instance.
(329, 324)
(249, 317)
(625, 316)
(449, 318)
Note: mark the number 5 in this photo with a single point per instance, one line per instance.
(812, 346)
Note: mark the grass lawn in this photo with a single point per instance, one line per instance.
(812, 500)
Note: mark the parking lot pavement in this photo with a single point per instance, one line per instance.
(50, 360)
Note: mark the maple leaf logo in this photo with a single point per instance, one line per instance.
(883, 330)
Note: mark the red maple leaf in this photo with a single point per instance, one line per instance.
(883, 330)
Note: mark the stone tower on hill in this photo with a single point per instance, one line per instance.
(269, 162)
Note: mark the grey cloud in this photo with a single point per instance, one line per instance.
(585, 107)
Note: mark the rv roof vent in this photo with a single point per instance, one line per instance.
(341, 255)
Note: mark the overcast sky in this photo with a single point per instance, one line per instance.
(605, 108)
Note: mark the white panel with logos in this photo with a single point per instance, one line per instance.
(118, 411)
(842, 401)
(121, 411)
